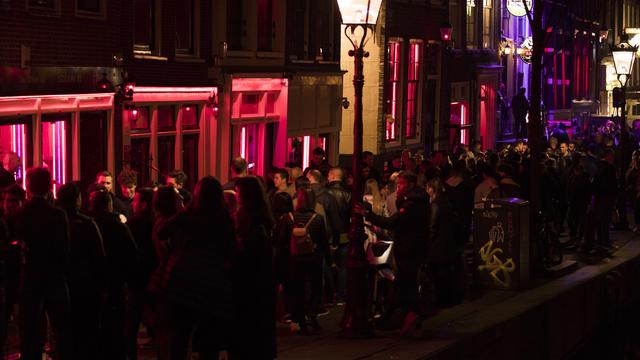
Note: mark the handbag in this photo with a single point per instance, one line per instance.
(379, 252)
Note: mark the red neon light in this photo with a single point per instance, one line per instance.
(394, 72)
(176, 89)
(586, 75)
(548, 50)
(18, 138)
(134, 114)
(577, 83)
(412, 90)
(306, 148)
(445, 36)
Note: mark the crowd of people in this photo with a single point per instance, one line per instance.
(214, 271)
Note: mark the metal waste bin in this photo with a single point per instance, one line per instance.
(501, 243)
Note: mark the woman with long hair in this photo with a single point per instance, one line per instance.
(304, 267)
(198, 291)
(253, 283)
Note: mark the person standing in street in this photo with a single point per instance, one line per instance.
(605, 192)
(45, 232)
(87, 271)
(520, 109)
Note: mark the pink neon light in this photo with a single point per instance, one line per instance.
(555, 81)
(564, 83)
(394, 71)
(412, 90)
(305, 151)
(54, 156)
(243, 142)
(463, 121)
(548, 50)
(586, 75)
(173, 89)
(577, 83)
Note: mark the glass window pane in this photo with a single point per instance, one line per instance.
(265, 23)
(93, 145)
(54, 151)
(184, 27)
(140, 160)
(190, 159)
(190, 117)
(89, 5)
(250, 104)
(236, 24)
(166, 118)
(143, 24)
(15, 139)
(139, 119)
(166, 156)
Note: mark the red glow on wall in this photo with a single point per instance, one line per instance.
(564, 82)
(243, 142)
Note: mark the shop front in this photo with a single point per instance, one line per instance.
(72, 135)
(170, 128)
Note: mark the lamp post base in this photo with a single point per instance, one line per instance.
(356, 323)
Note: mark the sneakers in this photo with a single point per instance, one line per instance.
(410, 322)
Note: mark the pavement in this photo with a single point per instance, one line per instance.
(445, 329)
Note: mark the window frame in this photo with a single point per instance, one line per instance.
(195, 34)
(43, 10)
(153, 48)
(398, 83)
(417, 100)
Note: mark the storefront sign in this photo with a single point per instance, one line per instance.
(526, 50)
(517, 8)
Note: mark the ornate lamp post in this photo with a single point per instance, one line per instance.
(360, 18)
(624, 55)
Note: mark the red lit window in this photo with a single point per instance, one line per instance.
(185, 27)
(54, 148)
(391, 88)
(190, 159)
(190, 116)
(413, 84)
(139, 119)
(144, 26)
(140, 159)
(250, 104)
(166, 118)
(166, 155)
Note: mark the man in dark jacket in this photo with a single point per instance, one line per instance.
(605, 191)
(339, 246)
(409, 225)
(86, 274)
(520, 108)
(45, 233)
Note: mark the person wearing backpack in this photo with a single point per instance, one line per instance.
(303, 233)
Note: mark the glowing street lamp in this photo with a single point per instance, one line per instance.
(356, 323)
(624, 55)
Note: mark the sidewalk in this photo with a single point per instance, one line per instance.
(445, 333)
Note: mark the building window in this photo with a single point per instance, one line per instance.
(413, 88)
(185, 27)
(392, 90)
(144, 26)
(236, 25)
(487, 24)
(91, 8)
(190, 117)
(43, 4)
(166, 118)
(190, 144)
(265, 25)
(471, 24)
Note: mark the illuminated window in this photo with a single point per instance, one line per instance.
(190, 116)
(54, 148)
(166, 118)
(139, 119)
(487, 24)
(471, 24)
(392, 90)
(185, 27)
(413, 85)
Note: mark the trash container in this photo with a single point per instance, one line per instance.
(501, 243)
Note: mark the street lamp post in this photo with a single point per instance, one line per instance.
(359, 18)
(624, 55)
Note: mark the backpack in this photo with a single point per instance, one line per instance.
(301, 242)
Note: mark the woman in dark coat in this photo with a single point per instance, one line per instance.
(253, 282)
(304, 268)
(198, 288)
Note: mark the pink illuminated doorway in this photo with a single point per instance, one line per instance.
(487, 115)
(299, 149)
(460, 126)
(254, 143)
(15, 138)
(55, 147)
